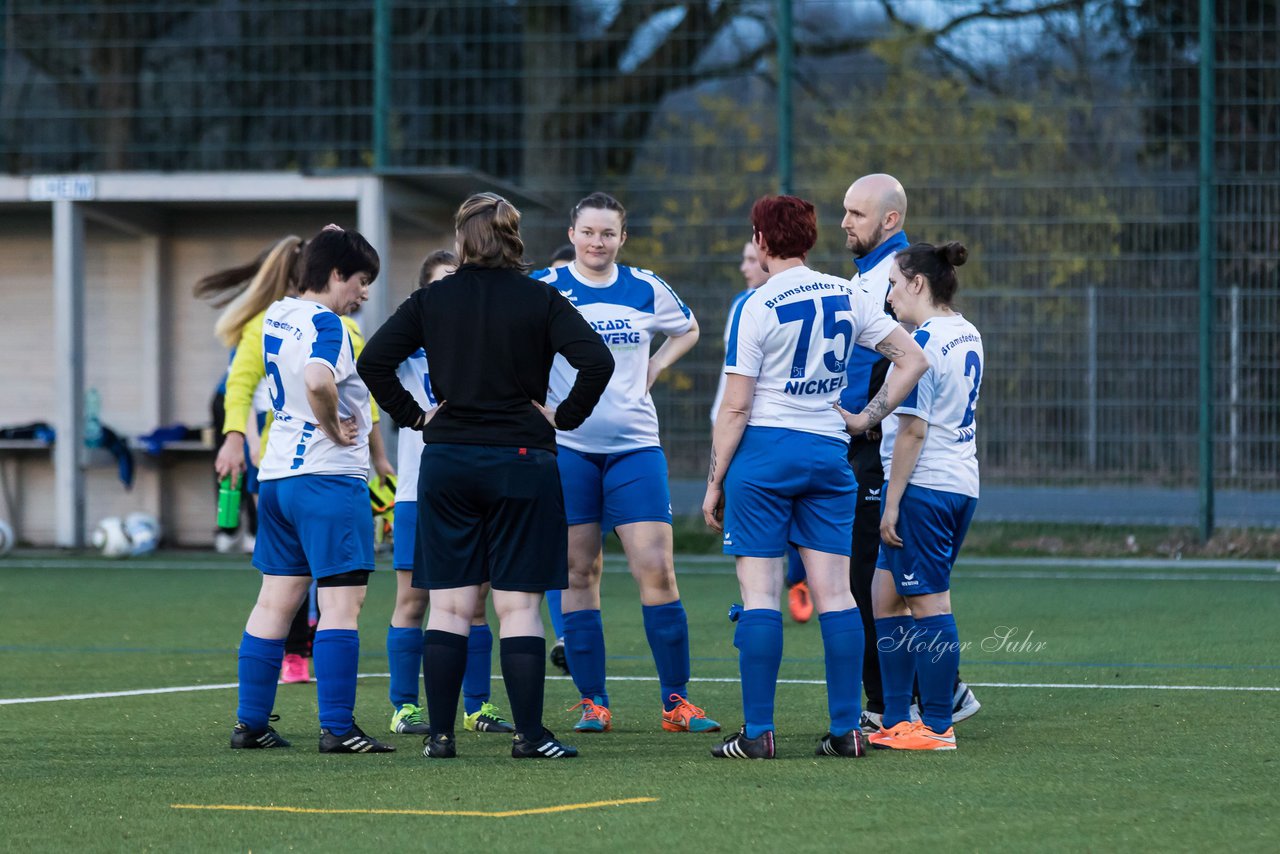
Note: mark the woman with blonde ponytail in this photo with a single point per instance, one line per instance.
(271, 277)
(245, 291)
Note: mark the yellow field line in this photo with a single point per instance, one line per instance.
(469, 813)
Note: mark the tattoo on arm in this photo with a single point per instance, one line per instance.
(711, 473)
(889, 351)
(877, 409)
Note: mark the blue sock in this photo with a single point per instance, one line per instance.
(584, 650)
(894, 638)
(337, 656)
(667, 628)
(795, 567)
(553, 610)
(759, 642)
(937, 663)
(475, 681)
(259, 669)
(842, 644)
(404, 658)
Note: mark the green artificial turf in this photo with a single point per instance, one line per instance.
(1040, 768)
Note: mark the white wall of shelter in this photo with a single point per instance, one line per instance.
(96, 291)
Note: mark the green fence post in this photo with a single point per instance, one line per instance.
(381, 80)
(786, 50)
(1206, 273)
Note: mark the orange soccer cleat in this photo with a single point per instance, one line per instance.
(686, 717)
(878, 739)
(595, 717)
(920, 737)
(799, 602)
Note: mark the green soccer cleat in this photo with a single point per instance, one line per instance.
(408, 721)
(487, 719)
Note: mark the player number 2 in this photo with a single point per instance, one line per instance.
(972, 365)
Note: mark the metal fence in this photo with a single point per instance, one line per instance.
(1057, 140)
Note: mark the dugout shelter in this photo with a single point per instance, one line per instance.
(97, 294)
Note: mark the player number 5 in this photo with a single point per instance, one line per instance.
(271, 347)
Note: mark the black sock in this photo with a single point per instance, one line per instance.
(298, 641)
(524, 670)
(444, 660)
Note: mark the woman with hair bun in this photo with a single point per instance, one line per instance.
(931, 491)
(490, 507)
(404, 634)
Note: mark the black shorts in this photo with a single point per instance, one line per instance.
(490, 513)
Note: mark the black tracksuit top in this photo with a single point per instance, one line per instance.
(490, 335)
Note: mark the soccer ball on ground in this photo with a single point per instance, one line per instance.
(111, 538)
(144, 533)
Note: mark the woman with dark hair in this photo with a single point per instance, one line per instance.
(490, 507)
(315, 517)
(779, 473)
(930, 458)
(247, 291)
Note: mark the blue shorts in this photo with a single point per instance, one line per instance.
(317, 525)
(615, 489)
(932, 525)
(404, 530)
(788, 487)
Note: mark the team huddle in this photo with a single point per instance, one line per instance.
(844, 428)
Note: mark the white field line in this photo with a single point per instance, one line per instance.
(963, 573)
(1120, 566)
(181, 689)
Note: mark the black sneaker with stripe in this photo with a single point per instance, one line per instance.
(545, 747)
(851, 744)
(243, 738)
(352, 741)
(558, 658)
(738, 746)
(440, 746)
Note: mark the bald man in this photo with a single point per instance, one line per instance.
(875, 209)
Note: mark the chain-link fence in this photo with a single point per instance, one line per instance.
(1057, 140)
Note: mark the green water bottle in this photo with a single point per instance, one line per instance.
(228, 504)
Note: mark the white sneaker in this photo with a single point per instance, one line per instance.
(871, 722)
(964, 704)
(225, 543)
(247, 543)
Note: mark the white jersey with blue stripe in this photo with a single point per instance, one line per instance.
(627, 313)
(413, 375)
(946, 397)
(793, 334)
(728, 327)
(297, 333)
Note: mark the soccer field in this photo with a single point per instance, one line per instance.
(1126, 707)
